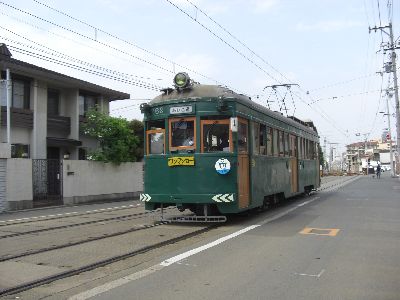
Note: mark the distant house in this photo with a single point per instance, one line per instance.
(47, 110)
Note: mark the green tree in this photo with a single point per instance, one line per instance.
(138, 129)
(116, 137)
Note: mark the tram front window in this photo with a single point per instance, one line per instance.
(182, 133)
(216, 136)
(156, 142)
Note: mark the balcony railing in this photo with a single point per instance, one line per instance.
(19, 117)
(59, 123)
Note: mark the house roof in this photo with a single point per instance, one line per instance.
(58, 79)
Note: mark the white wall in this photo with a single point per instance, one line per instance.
(19, 183)
(85, 181)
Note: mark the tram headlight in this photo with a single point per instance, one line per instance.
(181, 80)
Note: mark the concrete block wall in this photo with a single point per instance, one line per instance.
(86, 181)
(19, 183)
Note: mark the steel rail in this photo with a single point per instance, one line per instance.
(66, 215)
(56, 247)
(76, 224)
(89, 267)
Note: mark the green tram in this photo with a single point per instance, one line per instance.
(216, 152)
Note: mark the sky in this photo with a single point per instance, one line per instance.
(323, 48)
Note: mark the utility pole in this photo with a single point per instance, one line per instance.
(389, 137)
(392, 47)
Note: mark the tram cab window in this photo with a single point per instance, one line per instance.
(156, 141)
(182, 133)
(155, 136)
(215, 136)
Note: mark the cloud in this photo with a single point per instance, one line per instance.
(328, 26)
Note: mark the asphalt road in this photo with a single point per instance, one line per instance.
(340, 243)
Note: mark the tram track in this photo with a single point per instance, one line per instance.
(130, 217)
(91, 239)
(66, 215)
(103, 262)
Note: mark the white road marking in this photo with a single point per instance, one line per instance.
(178, 258)
(311, 275)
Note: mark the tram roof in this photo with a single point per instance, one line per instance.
(198, 92)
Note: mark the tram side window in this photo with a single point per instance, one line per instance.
(286, 137)
(281, 143)
(276, 144)
(242, 137)
(263, 150)
(215, 135)
(307, 149)
(300, 147)
(269, 141)
(292, 145)
(312, 148)
(155, 136)
(256, 138)
(182, 133)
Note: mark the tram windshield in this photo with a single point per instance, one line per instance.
(216, 136)
(182, 133)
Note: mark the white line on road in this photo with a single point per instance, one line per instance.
(311, 275)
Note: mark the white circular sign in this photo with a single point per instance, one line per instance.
(222, 166)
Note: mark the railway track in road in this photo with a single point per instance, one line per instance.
(11, 226)
(161, 241)
(47, 239)
(67, 215)
(91, 239)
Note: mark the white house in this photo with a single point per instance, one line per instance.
(47, 110)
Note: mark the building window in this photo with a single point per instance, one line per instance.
(86, 103)
(82, 154)
(53, 102)
(21, 92)
(19, 151)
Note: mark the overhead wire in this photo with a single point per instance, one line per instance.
(323, 114)
(226, 43)
(76, 67)
(79, 43)
(75, 60)
(129, 43)
(239, 41)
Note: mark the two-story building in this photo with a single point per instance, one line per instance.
(46, 111)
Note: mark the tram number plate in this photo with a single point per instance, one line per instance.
(181, 161)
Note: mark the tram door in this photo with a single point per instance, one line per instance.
(243, 163)
(294, 164)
